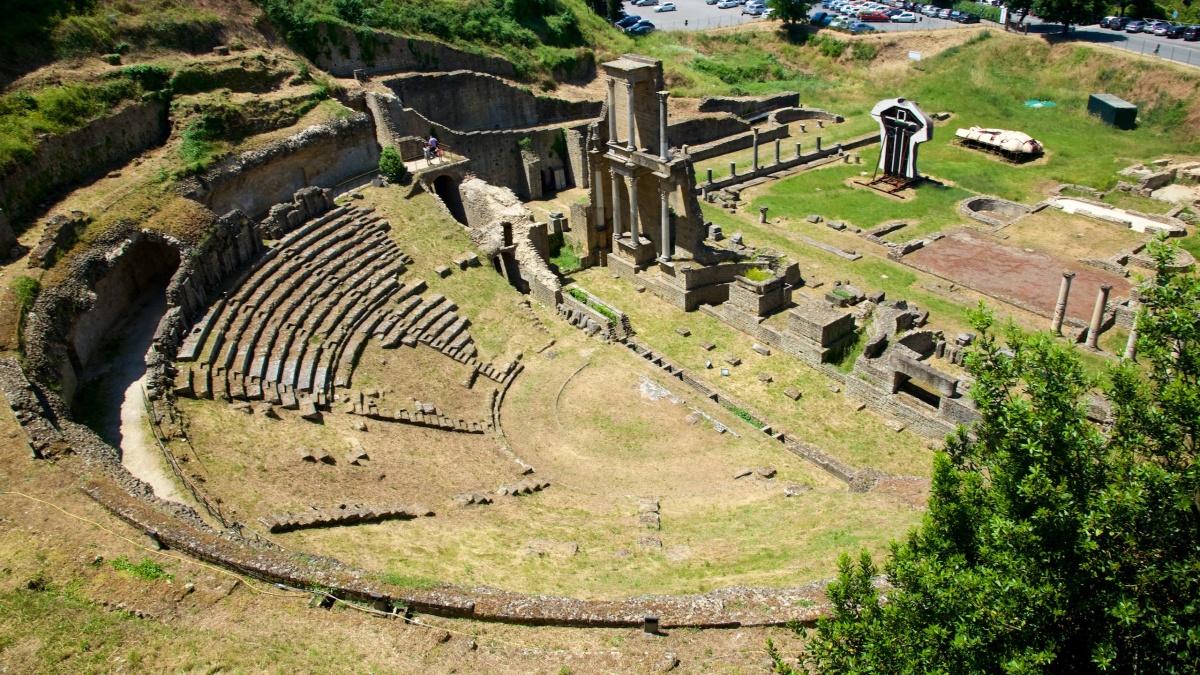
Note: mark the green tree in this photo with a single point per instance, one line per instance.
(1069, 12)
(1052, 544)
(789, 11)
(392, 166)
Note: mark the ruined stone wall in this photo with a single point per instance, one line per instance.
(391, 53)
(700, 130)
(62, 160)
(488, 209)
(746, 107)
(468, 101)
(322, 155)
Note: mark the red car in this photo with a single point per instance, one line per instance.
(874, 17)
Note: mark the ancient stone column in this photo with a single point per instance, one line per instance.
(1060, 309)
(634, 235)
(755, 148)
(1131, 345)
(629, 92)
(762, 214)
(599, 205)
(733, 168)
(1098, 316)
(776, 150)
(797, 151)
(666, 249)
(612, 109)
(616, 207)
(710, 175)
(663, 154)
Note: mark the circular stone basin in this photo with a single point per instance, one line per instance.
(993, 208)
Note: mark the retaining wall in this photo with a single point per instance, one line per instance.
(80, 155)
(322, 155)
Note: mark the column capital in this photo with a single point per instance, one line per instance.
(1106, 288)
(663, 94)
(1068, 274)
(611, 81)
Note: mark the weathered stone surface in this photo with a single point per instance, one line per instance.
(814, 218)
(308, 411)
(795, 489)
(683, 331)
(761, 349)
(733, 360)
(765, 472)
(652, 543)
(650, 520)
(895, 426)
(708, 346)
(854, 405)
(743, 472)
(792, 393)
(765, 377)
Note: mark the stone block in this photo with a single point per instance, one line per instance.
(836, 225)
(443, 271)
(792, 393)
(708, 346)
(854, 405)
(242, 407)
(650, 520)
(895, 426)
(308, 410)
(765, 377)
(814, 218)
(683, 331)
(742, 472)
(266, 410)
(765, 472)
(761, 349)
(733, 360)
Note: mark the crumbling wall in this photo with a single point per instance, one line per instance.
(344, 54)
(62, 160)
(491, 211)
(322, 155)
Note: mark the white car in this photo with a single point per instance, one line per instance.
(904, 17)
(728, 4)
(669, 7)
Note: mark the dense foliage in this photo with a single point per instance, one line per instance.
(790, 11)
(1051, 545)
(392, 166)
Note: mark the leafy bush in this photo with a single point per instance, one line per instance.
(987, 12)
(745, 415)
(392, 166)
(864, 51)
(586, 299)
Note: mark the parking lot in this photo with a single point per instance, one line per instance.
(696, 15)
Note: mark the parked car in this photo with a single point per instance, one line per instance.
(839, 22)
(824, 21)
(929, 10)
(1175, 31)
(640, 28)
(727, 4)
(943, 14)
(666, 7)
(817, 18)
(860, 27)
(1105, 20)
(1135, 26)
(628, 22)
(873, 17)
(644, 3)
(965, 18)
(905, 17)
(1118, 23)
(1149, 26)
(710, 2)
(1161, 28)
(753, 10)
(1191, 33)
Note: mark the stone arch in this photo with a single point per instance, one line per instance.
(446, 188)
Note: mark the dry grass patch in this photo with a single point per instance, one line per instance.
(1070, 237)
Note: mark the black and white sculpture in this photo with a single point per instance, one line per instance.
(902, 126)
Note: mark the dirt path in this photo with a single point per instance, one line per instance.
(121, 410)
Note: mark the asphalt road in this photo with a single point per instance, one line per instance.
(1142, 43)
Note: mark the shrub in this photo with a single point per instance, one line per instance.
(392, 166)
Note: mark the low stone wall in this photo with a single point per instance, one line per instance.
(322, 155)
(747, 107)
(590, 320)
(59, 161)
(993, 211)
(788, 115)
(701, 130)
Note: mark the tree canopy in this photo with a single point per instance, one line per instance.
(1069, 12)
(1052, 544)
(789, 11)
